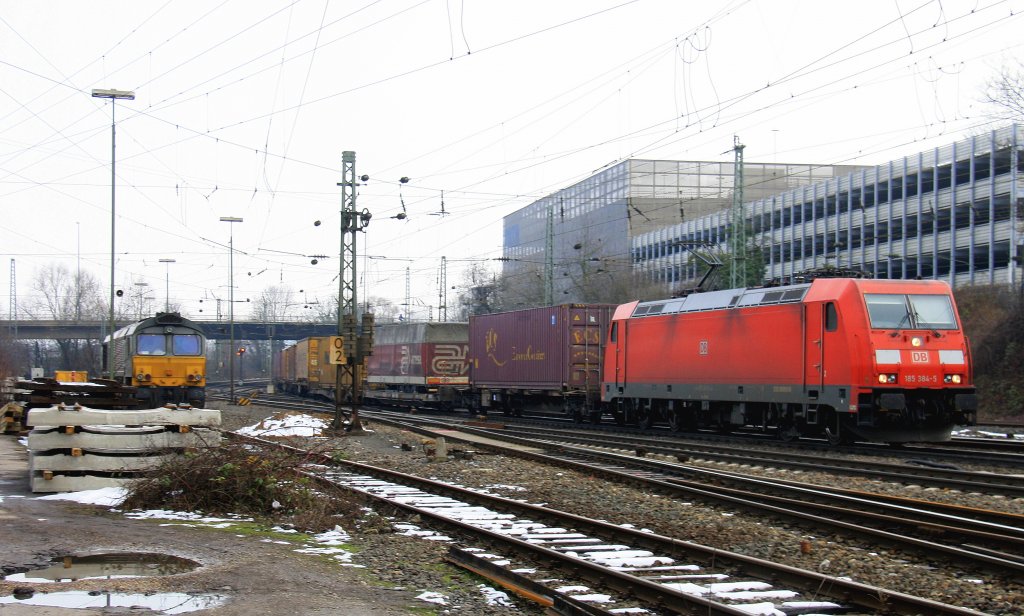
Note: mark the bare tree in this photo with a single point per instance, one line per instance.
(137, 304)
(476, 292)
(272, 304)
(1005, 91)
(70, 297)
(522, 288)
(325, 311)
(13, 356)
(384, 310)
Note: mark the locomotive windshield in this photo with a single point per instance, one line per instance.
(186, 344)
(898, 311)
(181, 344)
(152, 344)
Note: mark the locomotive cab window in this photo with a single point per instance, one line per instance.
(831, 317)
(186, 344)
(933, 311)
(152, 344)
(897, 311)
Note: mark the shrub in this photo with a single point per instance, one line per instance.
(244, 479)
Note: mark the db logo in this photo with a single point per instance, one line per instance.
(919, 357)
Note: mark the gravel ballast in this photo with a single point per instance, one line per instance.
(706, 524)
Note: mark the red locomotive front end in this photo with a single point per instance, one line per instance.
(920, 375)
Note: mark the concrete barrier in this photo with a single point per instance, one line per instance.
(75, 448)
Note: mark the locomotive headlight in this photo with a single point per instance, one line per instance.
(140, 377)
(915, 341)
(953, 378)
(886, 379)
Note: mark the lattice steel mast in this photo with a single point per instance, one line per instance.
(738, 237)
(356, 345)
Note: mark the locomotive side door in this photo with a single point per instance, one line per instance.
(617, 340)
(814, 349)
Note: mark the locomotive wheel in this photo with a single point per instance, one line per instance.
(644, 416)
(682, 421)
(595, 417)
(619, 416)
(788, 430)
(788, 433)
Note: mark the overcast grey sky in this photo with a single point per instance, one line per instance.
(244, 107)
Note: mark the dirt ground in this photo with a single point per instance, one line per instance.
(258, 577)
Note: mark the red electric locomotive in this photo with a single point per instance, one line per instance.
(877, 360)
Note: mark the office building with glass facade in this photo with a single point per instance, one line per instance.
(594, 224)
(952, 213)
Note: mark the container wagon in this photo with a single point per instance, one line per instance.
(419, 365)
(540, 359)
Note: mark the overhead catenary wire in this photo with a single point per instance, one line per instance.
(459, 205)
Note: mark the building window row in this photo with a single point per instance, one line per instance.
(961, 214)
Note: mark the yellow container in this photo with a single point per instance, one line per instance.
(71, 376)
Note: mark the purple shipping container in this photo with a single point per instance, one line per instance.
(554, 349)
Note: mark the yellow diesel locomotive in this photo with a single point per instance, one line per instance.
(164, 357)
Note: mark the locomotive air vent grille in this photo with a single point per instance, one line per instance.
(169, 318)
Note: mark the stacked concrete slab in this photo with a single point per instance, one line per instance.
(74, 448)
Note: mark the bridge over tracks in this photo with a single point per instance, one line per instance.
(214, 330)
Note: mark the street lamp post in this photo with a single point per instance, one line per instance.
(231, 301)
(167, 283)
(113, 95)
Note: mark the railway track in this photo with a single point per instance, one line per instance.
(645, 570)
(1002, 451)
(919, 472)
(989, 540)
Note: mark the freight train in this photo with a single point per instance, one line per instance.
(163, 357)
(839, 358)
